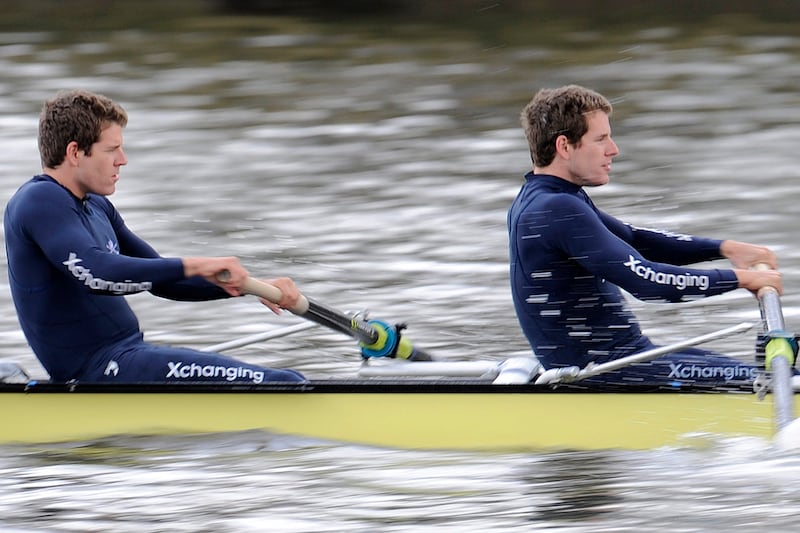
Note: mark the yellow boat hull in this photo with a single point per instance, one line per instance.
(447, 417)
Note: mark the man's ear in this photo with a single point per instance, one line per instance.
(562, 146)
(71, 155)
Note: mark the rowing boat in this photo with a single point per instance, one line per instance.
(402, 398)
(410, 413)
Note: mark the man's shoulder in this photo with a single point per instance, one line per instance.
(38, 200)
(554, 198)
(37, 187)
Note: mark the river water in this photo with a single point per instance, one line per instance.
(375, 167)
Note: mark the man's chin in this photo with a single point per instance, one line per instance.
(595, 182)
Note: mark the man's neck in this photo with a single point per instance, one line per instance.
(64, 179)
(553, 170)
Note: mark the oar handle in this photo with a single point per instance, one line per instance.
(272, 294)
(269, 292)
(762, 267)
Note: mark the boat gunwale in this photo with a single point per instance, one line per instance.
(367, 386)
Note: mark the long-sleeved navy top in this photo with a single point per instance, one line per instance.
(568, 260)
(69, 261)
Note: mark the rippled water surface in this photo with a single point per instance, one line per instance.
(375, 168)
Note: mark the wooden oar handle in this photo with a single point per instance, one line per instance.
(271, 293)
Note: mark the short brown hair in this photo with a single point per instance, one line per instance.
(554, 112)
(76, 115)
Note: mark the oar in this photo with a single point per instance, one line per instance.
(779, 354)
(574, 373)
(376, 338)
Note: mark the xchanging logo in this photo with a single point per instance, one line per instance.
(679, 281)
(117, 287)
(228, 373)
(681, 371)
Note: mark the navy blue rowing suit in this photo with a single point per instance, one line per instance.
(70, 262)
(568, 261)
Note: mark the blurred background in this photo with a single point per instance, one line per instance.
(370, 151)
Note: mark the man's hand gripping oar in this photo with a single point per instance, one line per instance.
(376, 337)
(780, 353)
(778, 341)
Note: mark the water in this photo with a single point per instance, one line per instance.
(375, 168)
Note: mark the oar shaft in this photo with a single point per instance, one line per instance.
(315, 311)
(382, 342)
(771, 312)
(333, 319)
(780, 365)
(769, 302)
(783, 392)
